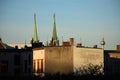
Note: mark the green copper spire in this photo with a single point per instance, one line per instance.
(54, 35)
(35, 36)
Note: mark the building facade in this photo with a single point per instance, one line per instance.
(15, 62)
(38, 61)
(84, 56)
(67, 59)
(59, 59)
(112, 61)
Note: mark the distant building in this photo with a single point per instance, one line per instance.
(102, 42)
(112, 61)
(20, 45)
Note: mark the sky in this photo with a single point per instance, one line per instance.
(84, 20)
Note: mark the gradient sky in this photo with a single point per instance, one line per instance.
(85, 20)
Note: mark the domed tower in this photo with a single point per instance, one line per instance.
(102, 42)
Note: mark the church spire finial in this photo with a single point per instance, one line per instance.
(35, 36)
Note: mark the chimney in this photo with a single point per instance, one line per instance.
(16, 47)
(79, 45)
(71, 41)
(67, 43)
(118, 47)
(95, 46)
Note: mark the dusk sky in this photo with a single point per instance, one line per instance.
(85, 20)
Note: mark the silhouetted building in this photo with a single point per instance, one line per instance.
(15, 62)
(112, 61)
(20, 45)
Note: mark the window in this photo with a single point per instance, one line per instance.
(4, 67)
(38, 70)
(41, 65)
(38, 66)
(29, 71)
(29, 59)
(17, 60)
(17, 71)
(34, 66)
(25, 66)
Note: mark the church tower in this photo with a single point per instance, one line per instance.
(35, 42)
(35, 36)
(102, 42)
(54, 41)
